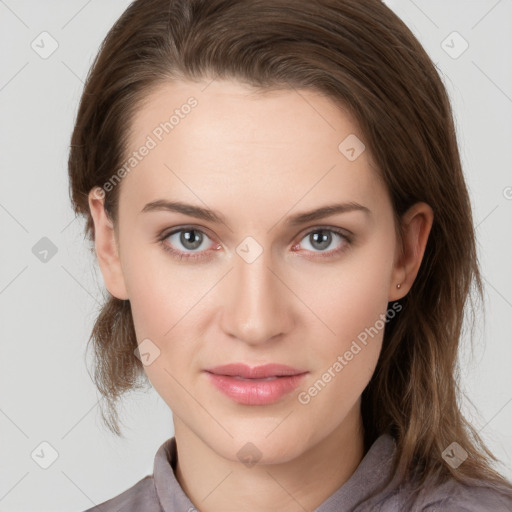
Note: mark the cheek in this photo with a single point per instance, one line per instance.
(351, 296)
(160, 316)
(161, 291)
(165, 302)
(352, 306)
(346, 360)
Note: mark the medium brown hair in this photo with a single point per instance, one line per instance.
(362, 56)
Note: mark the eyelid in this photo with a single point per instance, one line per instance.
(318, 227)
(171, 231)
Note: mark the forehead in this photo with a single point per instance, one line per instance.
(226, 139)
(241, 113)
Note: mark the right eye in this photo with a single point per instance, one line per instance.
(189, 238)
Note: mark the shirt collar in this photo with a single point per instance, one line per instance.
(171, 495)
(372, 470)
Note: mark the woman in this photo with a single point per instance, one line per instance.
(276, 199)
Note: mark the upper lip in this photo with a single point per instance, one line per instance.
(255, 372)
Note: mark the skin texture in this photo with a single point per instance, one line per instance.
(256, 159)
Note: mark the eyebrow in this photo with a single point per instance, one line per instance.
(218, 218)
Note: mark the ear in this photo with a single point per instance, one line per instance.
(107, 250)
(416, 224)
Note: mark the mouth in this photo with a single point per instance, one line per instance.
(258, 385)
(266, 371)
(274, 377)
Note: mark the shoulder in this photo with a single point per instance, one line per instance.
(449, 496)
(454, 496)
(141, 496)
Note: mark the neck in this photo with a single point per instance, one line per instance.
(214, 483)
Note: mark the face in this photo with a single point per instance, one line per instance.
(258, 285)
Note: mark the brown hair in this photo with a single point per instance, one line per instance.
(363, 57)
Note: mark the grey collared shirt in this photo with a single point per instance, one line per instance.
(161, 492)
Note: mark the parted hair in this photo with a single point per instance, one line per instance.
(359, 54)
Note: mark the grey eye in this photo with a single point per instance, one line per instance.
(321, 239)
(190, 239)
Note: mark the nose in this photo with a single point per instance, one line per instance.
(257, 305)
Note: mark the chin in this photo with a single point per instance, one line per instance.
(259, 448)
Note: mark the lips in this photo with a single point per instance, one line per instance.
(255, 372)
(259, 385)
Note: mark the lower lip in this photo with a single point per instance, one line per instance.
(255, 391)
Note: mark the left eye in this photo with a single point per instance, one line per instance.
(194, 241)
(321, 239)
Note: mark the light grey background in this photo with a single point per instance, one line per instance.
(47, 309)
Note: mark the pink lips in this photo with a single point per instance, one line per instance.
(259, 385)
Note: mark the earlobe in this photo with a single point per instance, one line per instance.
(106, 247)
(416, 225)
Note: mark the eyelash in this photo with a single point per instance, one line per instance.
(180, 255)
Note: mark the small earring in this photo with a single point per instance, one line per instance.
(398, 285)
